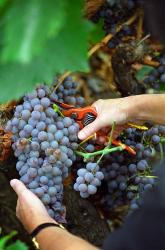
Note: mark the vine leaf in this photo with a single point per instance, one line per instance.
(28, 24)
(64, 51)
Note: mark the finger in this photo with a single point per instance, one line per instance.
(89, 129)
(17, 209)
(18, 186)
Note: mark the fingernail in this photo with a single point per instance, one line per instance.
(12, 183)
(81, 135)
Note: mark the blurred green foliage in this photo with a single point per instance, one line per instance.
(17, 245)
(38, 39)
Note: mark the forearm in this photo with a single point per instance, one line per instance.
(54, 238)
(149, 108)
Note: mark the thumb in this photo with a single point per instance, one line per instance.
(18, 186)
(89, 129)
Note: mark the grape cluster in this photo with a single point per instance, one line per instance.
(66, 93)
(88, 180)
(44, 143)
(115, 12)
(128, 177)
(156, 76)
(117, 39)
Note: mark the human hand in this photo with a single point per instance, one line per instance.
(109, 111)
(30, 210)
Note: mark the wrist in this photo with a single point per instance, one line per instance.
(135, 109)
(37, 221)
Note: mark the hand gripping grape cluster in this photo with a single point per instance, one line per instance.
(44, 143)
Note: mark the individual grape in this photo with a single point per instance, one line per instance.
(42, 136)
(51, 159)
(45, 102)
(28, 128)
(45, 145)
(38, 107)
(67, 121)
(33, 184)
(50, 137)
(155, 139)
(59, 135)
(45, 199)
(99, 175)
(52, 191)
(34, 132)
(80, 101)
(25, 114)
(35, 102)
(65, 141)
(25, 179)
(32, 172)
(141, 165)
(52, 128)
(33, 161)
(96, 182)
(35, 145)
(88, 177)
(23, 169)
(15, 121)
(46, 167)
(19, 108)
(41, 93)
(83, 187)
(43, 117)
(132, 168)
(57, 180)
(80, 180)
(90, 148)
(40, 126)
(40, 172)
(39, 192)
(92, 189)
(92, 166)
(36, 115)
(122, 186)
(22, 157)
(75, 186)
(72, 130)
(68, 163)
(54, 144)
(60, 125)
(44, 180)
(19, 165)
(50, 112)
(26, 105)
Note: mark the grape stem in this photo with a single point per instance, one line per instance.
(102, 152)
(161, 152)
(109, 143)
(56, 109)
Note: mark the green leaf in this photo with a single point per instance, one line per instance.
(2, 3)
(5, 239)
(28, 25)
(18, 245)
(97, 33)
(144, 71)
(66, 51)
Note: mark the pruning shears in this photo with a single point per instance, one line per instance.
(85, 116)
